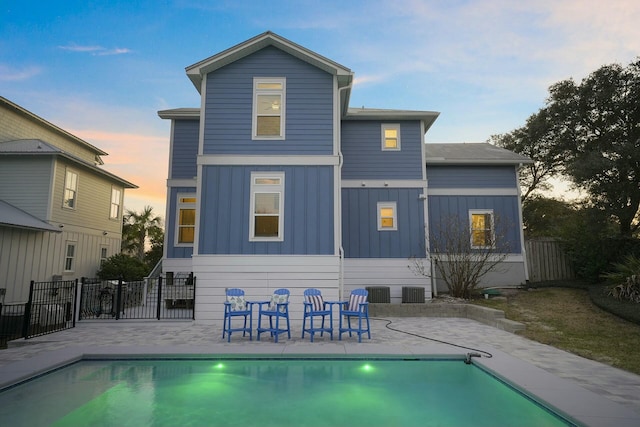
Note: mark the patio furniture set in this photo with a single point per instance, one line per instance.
(276, 310)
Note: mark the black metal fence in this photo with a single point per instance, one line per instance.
(50, 308)
(157, 298)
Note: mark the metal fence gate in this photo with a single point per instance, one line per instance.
(157, 298)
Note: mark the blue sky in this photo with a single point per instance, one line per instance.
(102, 70)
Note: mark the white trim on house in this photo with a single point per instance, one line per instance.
(280, 107)
(182, 182)
(473, 191)
(184, 205)
(381, 183)
(267, 160)
(266, 188)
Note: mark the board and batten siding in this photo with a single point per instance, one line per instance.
(451, 176)
(93, 200)
(174, 251)
(308, 211)
(309, 107)
(27, 255)
(28, 183)
(15, 126)
(360, 235)
(364, 158)
(259, 276)
(444, 209)
(184, 149)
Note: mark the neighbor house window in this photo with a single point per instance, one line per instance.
(267, 205)
(70, 256)
(482, 235)
(114, 213)
(103, 255)
(387, 216)
(186, 223)
(70, 190)
(390, 137)
(268, 108)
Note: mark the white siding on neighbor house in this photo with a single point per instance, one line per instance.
(26, 183)
(259, 276)
(392, 272)
(93, 201)
(27, 255)
(15, 126)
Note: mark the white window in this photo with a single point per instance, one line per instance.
(103, 255)
(387, 216)
(267, 206)
(186, 220)
(70, 196)
(481, 222)
(70, 256)
(390, 137)
(114, 212)
(268, 108)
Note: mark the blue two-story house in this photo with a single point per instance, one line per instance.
(275, 182)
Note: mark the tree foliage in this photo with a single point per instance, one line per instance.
(547, 217)
(137, 228)
(122, 265)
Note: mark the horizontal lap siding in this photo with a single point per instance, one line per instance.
(259, 276)
(472, 177)
(444, 208)
(364, 158)
(170, 229)
(184, 150)
(25, 183)
(308, 211)
(360, 235)
(309, 107)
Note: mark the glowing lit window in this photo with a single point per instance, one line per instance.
(268, 108)
(390, 137)
(186, 221)
(387, 216)
(267, 205)
(482, 235)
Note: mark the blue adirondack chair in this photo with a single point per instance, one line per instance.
(315, 306)
(236, 306)
(357, 306)
(275, 309)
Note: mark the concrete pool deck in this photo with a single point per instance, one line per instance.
(591, 393)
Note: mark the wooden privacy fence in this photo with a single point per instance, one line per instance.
(547, 261)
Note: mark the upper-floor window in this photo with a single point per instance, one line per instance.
(267, 206)
(70, 256)
(114, 212)
(186, 223)
(387, 216)
(482, 235)
(70, 196)
(390, 136)
(268, 108)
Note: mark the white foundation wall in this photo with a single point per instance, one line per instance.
(392, 272)
(259, 276)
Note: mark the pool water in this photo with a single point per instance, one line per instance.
(270, 392)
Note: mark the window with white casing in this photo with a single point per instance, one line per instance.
(387, 216)
(103, 254)
(482, 232)
(70, 256)
(116, 195)
(267, 206)
(390, 137)
(70, 196)
(186, 219)
(269, 97)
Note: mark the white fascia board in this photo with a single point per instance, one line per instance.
(182, 182)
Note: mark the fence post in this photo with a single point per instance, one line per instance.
(159, 305)
(193, 309)
(27, 312)
(76, 310)
(119, 298)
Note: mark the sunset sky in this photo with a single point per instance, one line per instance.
(102, 69)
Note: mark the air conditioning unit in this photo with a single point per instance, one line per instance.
(412, 294)
(379, 294)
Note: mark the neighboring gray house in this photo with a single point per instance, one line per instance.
(60, 212)
(275, 182)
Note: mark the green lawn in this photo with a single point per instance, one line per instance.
(567, 319)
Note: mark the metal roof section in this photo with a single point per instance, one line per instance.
(180, 113)
(481, 153)
(18, 109)
(37, 147)
(197, 71)
(11, 216)
(427, 117)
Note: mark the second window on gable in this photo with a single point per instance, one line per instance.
(390, 137)
(268, 108)
(267, 205)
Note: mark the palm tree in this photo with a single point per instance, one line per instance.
(136, 228)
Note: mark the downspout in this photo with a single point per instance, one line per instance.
(340, 162)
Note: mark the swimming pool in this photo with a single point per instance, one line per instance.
(270, 392)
